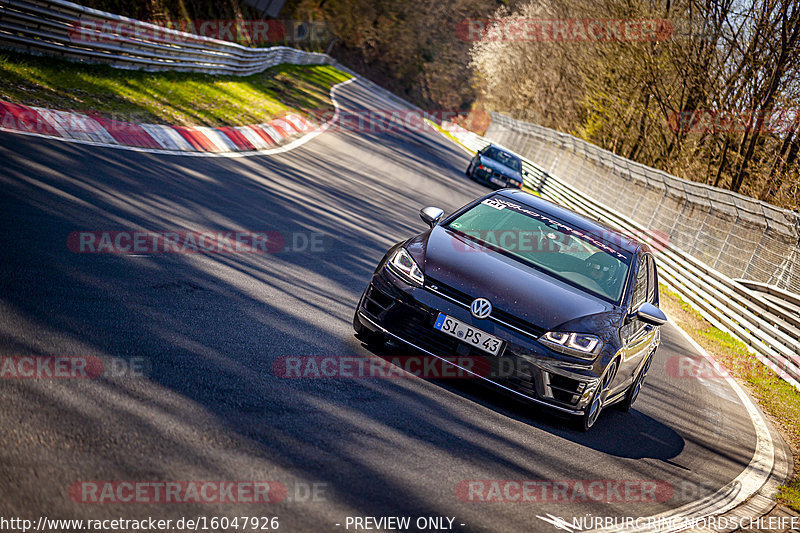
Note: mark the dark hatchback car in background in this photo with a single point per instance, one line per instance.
(562, 309)
(496, 167)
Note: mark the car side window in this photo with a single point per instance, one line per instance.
(640, 290)
(652, 281)
(632, 329)
(645, 290)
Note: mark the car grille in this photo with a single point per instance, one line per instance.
(497, 314)
(508, 369)
(419, 330)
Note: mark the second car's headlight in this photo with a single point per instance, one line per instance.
(402, 264)
(578, 344)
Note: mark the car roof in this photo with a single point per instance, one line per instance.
(503, 149)
(570, 217)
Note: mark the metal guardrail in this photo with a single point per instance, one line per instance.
(768, 327)
(787, 301)
(75, 32)
(62, 28)
(740, 237)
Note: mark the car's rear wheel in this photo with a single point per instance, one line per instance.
(633, 392)
(595, 407)
(469, 170)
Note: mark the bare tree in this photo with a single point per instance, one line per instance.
(700, 104)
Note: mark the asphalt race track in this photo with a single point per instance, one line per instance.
(205, 329)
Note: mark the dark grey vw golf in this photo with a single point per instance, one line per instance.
(563, 310)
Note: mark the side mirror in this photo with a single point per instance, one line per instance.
(650, 314)
(431, 215)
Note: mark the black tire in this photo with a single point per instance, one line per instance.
(595, 407)
(633, 391)
(469, 170)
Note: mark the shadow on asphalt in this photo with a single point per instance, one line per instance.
(616, 433)
(211, 327)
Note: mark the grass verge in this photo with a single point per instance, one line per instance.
(777, 398)
(176, 98)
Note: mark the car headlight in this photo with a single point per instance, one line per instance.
(578, 344)
(402, 264)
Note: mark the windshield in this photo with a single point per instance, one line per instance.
(583, 260)
(505, 158)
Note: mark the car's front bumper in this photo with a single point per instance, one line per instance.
(502, 181)
(525, 368)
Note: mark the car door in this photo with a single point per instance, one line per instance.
(638, 336)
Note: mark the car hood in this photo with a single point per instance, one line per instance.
(500, 167)
(513, 287)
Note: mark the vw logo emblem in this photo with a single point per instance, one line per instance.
(481, 308)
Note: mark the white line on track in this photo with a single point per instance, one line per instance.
(746, 484)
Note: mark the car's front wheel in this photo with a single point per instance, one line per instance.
(595, 407)
(636, 386)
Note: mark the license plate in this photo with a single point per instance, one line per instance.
(468, 334)
(497, 181)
